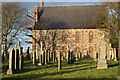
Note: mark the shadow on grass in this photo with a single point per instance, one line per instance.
(112, 65)
(44, 74)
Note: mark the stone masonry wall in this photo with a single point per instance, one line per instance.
(70, 42)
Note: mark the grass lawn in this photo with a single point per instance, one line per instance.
(6, 63)
(85, 69)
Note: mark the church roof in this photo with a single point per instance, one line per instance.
(68, 17)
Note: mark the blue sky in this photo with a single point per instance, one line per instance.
(60, 0)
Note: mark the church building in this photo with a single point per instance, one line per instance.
(69, 27)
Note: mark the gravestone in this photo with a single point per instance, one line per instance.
(40, 61)
(16, 57)
(101, 61)
(68, 56)
(71, 56)
(34, 58)
(80, 55)
(48, 57)
(45, 57)
(95, 54)
(112, 52)
(77, 57)
(115, 59)
(53, 56)
(28, 55)
(20, 57)
(11, 62)
(59, 61)
(36, 52)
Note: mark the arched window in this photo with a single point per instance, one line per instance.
(91, 37)
(77, 37)
(63, 37)
(50, 37)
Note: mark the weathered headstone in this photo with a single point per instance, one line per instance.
(95, 54)
(41, 46)
(77, 56)
(112, 53)
(59, 61)
(53, 56)
(34, 58)
(115, 59)
(80, 55)
(37, 53)
(20, 58)
(101, 61)
(71, 56)
(40, 61)
(45, 57)
(11, 62)
(48, 57)
(68, 56)
(16, 57)
(28, 55)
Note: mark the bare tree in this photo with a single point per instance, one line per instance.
(14, 21)
(110, 20)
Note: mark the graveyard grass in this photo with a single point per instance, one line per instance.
(85, 69)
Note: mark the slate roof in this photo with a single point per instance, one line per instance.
(67, 17)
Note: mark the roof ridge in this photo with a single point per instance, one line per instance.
(73, 5)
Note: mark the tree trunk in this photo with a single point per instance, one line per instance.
(5, 55)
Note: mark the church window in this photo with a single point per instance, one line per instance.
(91, 37)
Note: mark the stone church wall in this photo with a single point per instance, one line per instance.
(83, 45)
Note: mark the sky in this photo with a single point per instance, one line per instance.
(59, 0)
